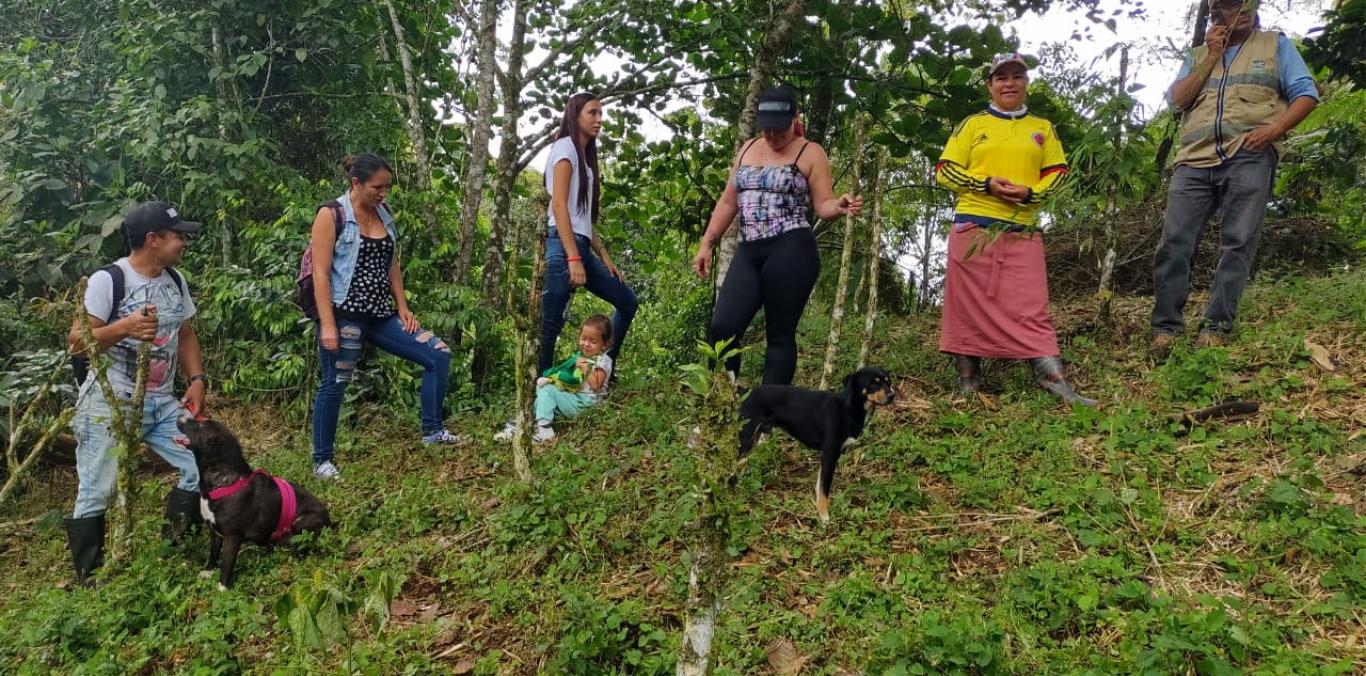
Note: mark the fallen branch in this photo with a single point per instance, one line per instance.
(1233, 410)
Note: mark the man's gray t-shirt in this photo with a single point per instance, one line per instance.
(174, 306)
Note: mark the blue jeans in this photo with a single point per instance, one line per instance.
(97, 468)
(600, 283)
(338, 368)
(1240, 189)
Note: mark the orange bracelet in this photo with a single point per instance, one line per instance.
(575, 259)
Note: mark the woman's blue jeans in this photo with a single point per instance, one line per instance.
(600, 283)
(338, 368)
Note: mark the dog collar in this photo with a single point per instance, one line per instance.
(225, 491)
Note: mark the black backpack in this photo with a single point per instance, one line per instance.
(80, 364)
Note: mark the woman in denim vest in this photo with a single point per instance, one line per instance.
(361, 299)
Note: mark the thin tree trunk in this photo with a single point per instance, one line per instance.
(1107, 268)
(126, 426)
(874, 258)
(850, 226)
(416, 133)
(822, 108)
(527, 354)
(927, 250)
(1201, 23)
(707, 572)
(477, 152)
(221, 60)
(765, 60)
(17, 468)
(506, 169)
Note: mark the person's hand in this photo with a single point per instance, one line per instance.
(1216, 40)
(1262, 137)
(409, 320)
(701, 263)
(142, 324)
(582, 364)
(612, 268)
(577, 276)
(850, 205)
(1010, 192)
(328, 337)
(193, 401)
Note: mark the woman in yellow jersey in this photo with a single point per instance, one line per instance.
(1003, 163)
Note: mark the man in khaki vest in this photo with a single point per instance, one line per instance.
(1239, 94)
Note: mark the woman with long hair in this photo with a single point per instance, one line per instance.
(361, 299)
(575, 253)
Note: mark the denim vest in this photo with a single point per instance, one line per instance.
(347, 249)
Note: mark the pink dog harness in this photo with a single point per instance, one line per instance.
(289, 503)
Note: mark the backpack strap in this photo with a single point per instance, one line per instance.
(338, 217)
(115, 273)
(179, 281)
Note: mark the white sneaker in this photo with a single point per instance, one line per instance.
(543, 434)
(510, 430)
(326, 470)
(443, 437)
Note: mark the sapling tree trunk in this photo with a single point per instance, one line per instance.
(477, 151)
(773, 47)
(510, 85)
(706, 538)
(125, 425)
(17, 467)
(1107, 268)
(874, 258)
(527, 355)
(850, 223)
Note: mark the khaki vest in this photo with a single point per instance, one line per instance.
(1246, 97)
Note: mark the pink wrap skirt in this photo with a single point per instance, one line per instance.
(996, 299)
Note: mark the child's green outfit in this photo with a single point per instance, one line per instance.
(557, 395)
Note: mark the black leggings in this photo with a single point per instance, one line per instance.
(776, 273)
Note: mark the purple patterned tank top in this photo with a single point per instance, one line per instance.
(772, 198)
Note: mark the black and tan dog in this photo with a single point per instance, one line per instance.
(242, 505)
(824, 421)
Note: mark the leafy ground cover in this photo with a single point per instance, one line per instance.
(1004, 536)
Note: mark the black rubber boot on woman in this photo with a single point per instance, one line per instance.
(969, 375)
(1051, 375)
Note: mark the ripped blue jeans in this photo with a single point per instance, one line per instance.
(338, 368)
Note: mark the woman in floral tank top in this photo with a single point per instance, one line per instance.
(773, 181)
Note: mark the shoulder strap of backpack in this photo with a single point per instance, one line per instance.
(338, 217)
(179, 281)
(116, 276)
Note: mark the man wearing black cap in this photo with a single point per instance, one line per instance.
(136, 299)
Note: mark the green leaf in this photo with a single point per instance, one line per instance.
(301, 54)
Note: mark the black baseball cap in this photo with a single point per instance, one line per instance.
(777, 107)
(154, 217)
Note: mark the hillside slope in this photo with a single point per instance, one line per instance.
(967, 537)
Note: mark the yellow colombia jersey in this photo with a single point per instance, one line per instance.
(1020, 148)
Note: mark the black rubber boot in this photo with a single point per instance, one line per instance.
(1051, 375)
(85, 538)
(969, 375)
(182, 514)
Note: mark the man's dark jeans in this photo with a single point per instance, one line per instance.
(1240, 189)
